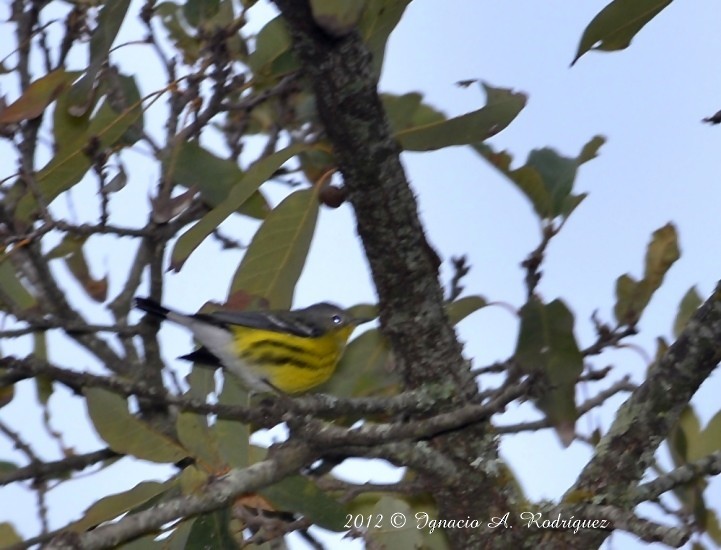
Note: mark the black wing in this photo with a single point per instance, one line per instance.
(283, 321)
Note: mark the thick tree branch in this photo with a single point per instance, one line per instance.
(325, 434)
(77, 381)
(321, 433)
(403, 265)
(283, 461)
(401, 260)
(646, 418)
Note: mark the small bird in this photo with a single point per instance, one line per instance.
(286, 351)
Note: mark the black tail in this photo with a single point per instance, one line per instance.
(152, 307)
(202, 356)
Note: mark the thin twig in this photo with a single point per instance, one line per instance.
(532, 263)
(39, 470)
(44, 325)
(460, 270)
(707, 466)
(623, 385)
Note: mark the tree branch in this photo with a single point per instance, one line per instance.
(283, 460)
(645, 419)
(402, 262)
(623, 385)
(58, 468)
(708, 465)
(325, 434)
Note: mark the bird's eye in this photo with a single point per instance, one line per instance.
(337, 319)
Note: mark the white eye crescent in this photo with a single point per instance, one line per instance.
(337, 319)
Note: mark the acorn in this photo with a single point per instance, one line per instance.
(332, 195)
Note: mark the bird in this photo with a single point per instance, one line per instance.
(286, 351)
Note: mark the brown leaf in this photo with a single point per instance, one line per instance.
(37, 97)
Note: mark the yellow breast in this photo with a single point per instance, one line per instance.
(292, 364)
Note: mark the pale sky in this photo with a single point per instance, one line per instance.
(658, 165)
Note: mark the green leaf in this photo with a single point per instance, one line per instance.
(337, 17)
(590, 150)
(124, 95)
(170, 15)
(632, 297)
(662, 253)
(43, 383)
(408, 111)
(214, 177)
(194, 435)
(275, 257)
(685, 435)
(236, 44)
(211, 531)
(13, 289)
(179, 537)
(688, 443)
(426, 508)
(201, 382)
(36, 98)
(713, 528)
(462, 308)
(272, 42)
(257, 174)
(285, 64)
(147, 542)
(547, 178)
(710, 437)
(690, 302)
(112, 506)
(316, 163)
(557, 174)
(192, 479)
(677, 446)
(629, 300)
(67, 127)
(198, 11)
(503, 105)
(366, 312)
(408, 536)
(71, 161)
(570, 203)
(364, 369)
(614, 26)
(71, 250)
(548, 349)
(110, 19)
(698, 503)
(8, 535)
(233, 436)
(377, 22)
(526, 178)
(546, 341)
(300, 495)
(124, 433)
(7, 393)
